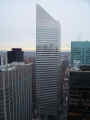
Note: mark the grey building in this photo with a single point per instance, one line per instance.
(0, 59)
(47, 61)
(16, 92)
(3, 58)
(33, 86)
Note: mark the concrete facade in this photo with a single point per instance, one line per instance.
(16, 93)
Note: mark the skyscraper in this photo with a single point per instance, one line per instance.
(80, 52)
(16, 92)
(47, 60)
(79, 94)
(15, 55)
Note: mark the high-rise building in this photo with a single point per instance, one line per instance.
(16, 92)
(79, 95)
(64, 79)
(47, 60)
(80, 52)
(15, 55)
(33, 86)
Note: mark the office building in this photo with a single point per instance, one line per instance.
(15, 55)
(80, 53)
(79, 94)
(0, 59)
(3, 58)
(47, 61)
(65, 56)
(33, 86)
(16, 92)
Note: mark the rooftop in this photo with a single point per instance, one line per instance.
(13, 66)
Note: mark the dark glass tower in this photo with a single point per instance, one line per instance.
(15, 55)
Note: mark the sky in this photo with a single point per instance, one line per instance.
(18, 22)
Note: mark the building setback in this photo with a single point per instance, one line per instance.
(79, 95)
(80, 52)
(47, 61)
(16, 93)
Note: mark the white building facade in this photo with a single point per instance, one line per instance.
(47, 60)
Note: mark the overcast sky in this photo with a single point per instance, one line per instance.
(17, 21)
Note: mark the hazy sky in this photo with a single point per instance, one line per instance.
(17, 21)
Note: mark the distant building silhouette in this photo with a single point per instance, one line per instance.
(3, 58)
(16, 92)
(15, 55)
(0, 59)
(47, 61)
(80, 53)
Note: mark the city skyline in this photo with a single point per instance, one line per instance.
(17, 22)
